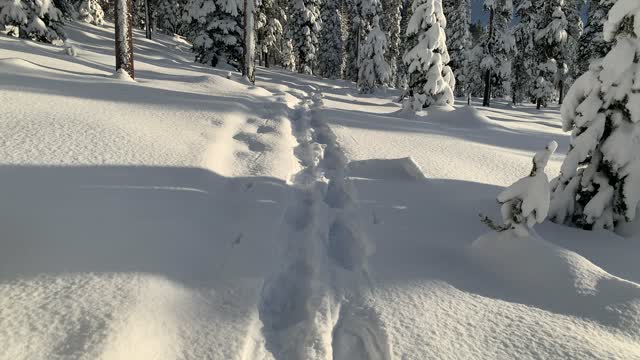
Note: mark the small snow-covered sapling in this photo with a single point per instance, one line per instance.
(526, 202)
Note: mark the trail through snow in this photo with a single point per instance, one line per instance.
(311, 308)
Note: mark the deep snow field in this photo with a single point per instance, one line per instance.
(190, 215)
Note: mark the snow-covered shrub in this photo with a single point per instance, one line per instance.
(216, 31)
(374, 70)
(69, 49)
(526, 202)
(599, 183)
(431, 81)
(91, 12)
(37, 20)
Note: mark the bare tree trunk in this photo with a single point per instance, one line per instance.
(147, 20)
(561, 100)
(249, 66)
(124, 36)
(487, 76)
(266, 59)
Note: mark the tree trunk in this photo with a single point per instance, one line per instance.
(561, 92)
(487, 77)
(266, 59)
(539, 103)
(147, 20)
(249, 66)
(123, 36)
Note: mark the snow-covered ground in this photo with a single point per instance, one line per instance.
(190, 215)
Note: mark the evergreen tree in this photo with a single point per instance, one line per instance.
(305, 16)
(269, 29)
(374, 70)
(392, 10)
(550, 38)
(168, 14)
(402, 79)
(91, 12)
(524, 64)
(431, 81)
(599, 182)
(372, 48)
(458, 13)
(571, 9)
(330, 56)
(216, 32)
(37, 20)
(499, 49)
(353, 39)
(592, 45)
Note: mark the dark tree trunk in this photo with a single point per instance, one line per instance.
(561, 100)
(249, 65)
(147, 20)
(124, 36)
(539, 104)
(487, 76)
(266, 59)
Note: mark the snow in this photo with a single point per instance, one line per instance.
(192, 215)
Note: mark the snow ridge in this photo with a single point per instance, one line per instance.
(311, 308)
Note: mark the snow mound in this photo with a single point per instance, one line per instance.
(230, 85)
(559, 280)
(386, 169)
(122, 75)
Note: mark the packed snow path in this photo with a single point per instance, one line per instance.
(311, 308)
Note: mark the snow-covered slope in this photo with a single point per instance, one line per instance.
(189, 215)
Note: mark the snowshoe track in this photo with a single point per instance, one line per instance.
(303, 308)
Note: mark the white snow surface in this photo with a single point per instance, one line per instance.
(188, 215)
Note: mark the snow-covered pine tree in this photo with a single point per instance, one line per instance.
(572, 10)
(402, 79)
(591, 44)
(550, 38)
(458, 14)
(91, 12)
(599, 182)
(168, 15)
(37, 20)
(330, 55)
(526, 202)
(374, 70)
(124, 36)
(524, 64)
(305, 17)
(392, 10)
(269, 29)
(499, 49)
(288, 53)
(216, 32)
(353, 39)
(431, 81)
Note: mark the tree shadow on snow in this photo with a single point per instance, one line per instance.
(422, 231)
(187, 224)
